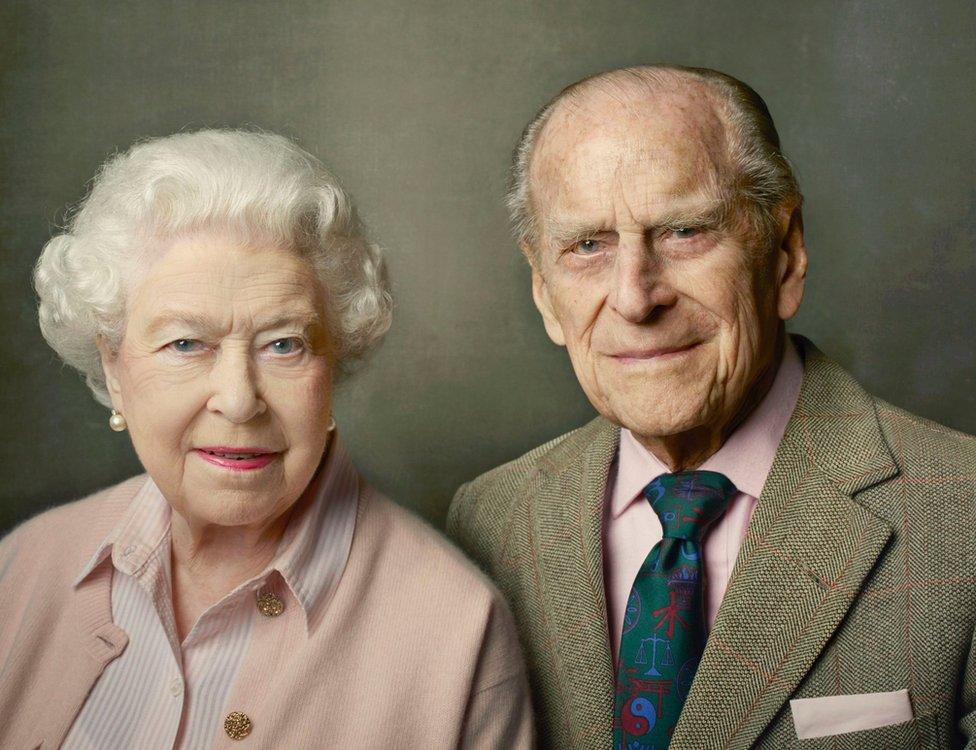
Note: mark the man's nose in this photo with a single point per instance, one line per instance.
(640, 287)
(234, 390)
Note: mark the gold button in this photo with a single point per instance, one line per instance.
(237, 725)
(270, 605)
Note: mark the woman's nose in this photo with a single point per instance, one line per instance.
(234, 389)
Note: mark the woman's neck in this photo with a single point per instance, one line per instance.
(208, 562)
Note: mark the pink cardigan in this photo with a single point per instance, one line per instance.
(415, 650)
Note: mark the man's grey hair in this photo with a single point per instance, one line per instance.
(763, 177)
(257, 187)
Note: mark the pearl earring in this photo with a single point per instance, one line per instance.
(117, 421)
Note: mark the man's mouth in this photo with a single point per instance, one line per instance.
(656, 353)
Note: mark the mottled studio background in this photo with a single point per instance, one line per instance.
(416, 106)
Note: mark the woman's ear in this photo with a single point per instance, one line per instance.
(110, 363)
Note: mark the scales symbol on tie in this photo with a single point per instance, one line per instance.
(667, 659)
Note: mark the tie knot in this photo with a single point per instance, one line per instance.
(688, 502)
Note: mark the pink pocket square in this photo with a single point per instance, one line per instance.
(838, 714)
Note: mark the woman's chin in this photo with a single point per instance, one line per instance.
(233, 508)
(221, 497)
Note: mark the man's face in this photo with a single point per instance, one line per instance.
(646, 270)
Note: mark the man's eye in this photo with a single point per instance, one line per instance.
(586, 247)
(186, 346)
(685, 233)
(286, 346)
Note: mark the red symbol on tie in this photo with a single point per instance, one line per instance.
(669, 614)
(660, 688)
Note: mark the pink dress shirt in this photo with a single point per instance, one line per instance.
(631, 528)
(167, 694)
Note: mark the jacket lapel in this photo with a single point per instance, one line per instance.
(809, 547)
(564, 521)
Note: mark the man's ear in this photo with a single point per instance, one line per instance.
(540, 294)
(110, 363)
(791, 262)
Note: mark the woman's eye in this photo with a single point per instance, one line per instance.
(286, 346)
(186, 346)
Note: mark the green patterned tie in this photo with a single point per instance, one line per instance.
(664, 625)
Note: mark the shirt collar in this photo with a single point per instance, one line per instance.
(313, 552)
(746, 456)
(141, 529)
(311, 556)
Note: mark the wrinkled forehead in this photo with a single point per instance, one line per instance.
(647, 151)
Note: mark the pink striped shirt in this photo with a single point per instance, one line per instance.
(166, 694)
(631, 528)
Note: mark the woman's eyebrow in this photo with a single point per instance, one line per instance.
(183, 318)
(302, 318)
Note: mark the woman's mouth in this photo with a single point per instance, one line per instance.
(237, 459)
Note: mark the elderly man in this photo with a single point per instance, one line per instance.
(745, 549)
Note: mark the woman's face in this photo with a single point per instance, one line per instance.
(224, 376)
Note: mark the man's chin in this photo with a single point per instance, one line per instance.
(659, 425)
(652, 407)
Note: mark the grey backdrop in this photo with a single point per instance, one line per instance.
(416, 106)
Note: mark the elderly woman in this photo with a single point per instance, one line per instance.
(249, 589)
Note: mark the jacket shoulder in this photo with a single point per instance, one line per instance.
(852, 420)
(419, 552)
(59, 539)
(410, 567)
(482, 507)
(922, 447)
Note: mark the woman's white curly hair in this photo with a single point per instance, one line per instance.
(256, 186)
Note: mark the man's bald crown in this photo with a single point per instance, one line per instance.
(724, 107)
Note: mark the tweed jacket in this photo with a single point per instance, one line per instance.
(857, 575)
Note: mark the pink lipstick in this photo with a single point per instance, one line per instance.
(236, 458)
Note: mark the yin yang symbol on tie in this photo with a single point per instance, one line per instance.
(664, 632)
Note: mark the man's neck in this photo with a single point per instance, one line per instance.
(689, 450)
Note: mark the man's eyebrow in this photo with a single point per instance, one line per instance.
(713, 213)
(565, 234)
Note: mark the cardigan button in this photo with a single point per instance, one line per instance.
(237, 725)
(270, 605)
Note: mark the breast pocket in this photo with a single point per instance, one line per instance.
(921, 733)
